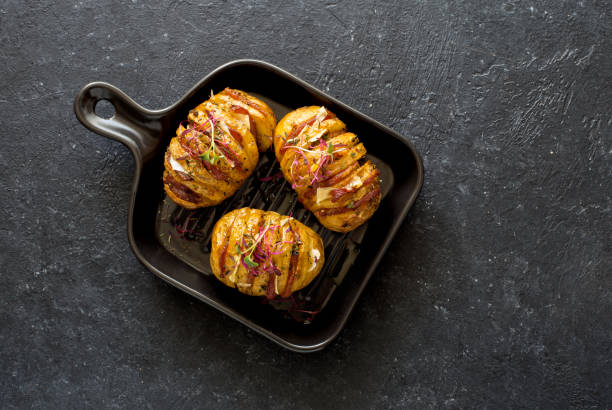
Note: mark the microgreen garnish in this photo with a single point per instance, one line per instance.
(312, 151)
(218, 148)
(211, 155)
(256, 252)
(250, 262)
(323, 155)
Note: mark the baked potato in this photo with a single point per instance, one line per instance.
(263, 253)
(216, 148)
(327, 168)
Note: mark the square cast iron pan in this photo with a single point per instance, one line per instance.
(146, 133)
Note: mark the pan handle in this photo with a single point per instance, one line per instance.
(131, 124)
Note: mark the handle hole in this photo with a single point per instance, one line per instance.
(104, 109)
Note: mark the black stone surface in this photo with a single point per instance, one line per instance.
(497, 291)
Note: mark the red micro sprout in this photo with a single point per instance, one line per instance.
(256, 252)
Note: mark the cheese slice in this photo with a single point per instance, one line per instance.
(354, 183)
(232, 276)
(244, 118)
(323, 194)
(321, 114)
(315, 255)
(224, 128)
(317, 136)
(176, 165)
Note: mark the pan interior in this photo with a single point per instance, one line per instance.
(186, 234)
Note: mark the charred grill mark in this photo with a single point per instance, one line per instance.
(222, 260)
(228, 232)
(293, 263)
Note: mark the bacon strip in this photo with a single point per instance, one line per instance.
(214, 170)
(334, 211)
(184, 176)
(237, 136)
(241, 110)
(270, 291)
(338, 193)
(231, 155)
(244, 99)
(182, 191)
(333, 179)
(293, 265)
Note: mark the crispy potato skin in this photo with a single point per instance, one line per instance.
(243, 126)
(296, 250)
(344, 192)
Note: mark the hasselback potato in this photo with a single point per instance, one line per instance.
(263, 253)
(216, 148)
(326, 166)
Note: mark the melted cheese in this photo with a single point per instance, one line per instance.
(315, 255)
(317, 136)
(232, 276)
(224, 128)
(323, 194)
(244, 118)
(354, 183)
(176, 165)
(299, 136)
(321, 114)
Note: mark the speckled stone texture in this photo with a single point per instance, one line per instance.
(495, 293)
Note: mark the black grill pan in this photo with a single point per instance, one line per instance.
(174, 243)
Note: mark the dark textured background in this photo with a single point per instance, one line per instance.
(497, 291)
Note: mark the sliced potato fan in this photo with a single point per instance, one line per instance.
(217, 148)
(327, 168)
(264, 253)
